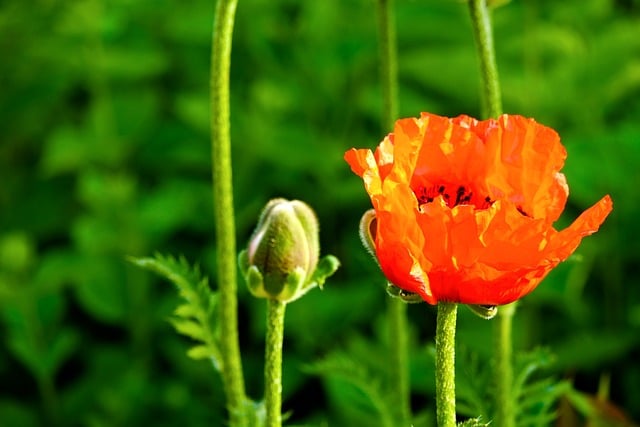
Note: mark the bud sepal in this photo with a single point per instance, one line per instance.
(281, 260)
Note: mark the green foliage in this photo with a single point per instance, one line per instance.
(363, 389)
(473, 422)
(535, 398)
(196, 318)
(104, 152)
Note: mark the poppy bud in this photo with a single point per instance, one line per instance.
(281, 260)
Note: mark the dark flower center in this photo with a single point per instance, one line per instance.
(453, 195)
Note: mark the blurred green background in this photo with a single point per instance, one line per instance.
(104, 153)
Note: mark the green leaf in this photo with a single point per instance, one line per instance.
(101, 288)
(189, 328)
(200, 352)
(473, 422)
(355, 381)
(196, 316)
(185, 311)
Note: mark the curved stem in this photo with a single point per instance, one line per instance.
(445, 364)
(505, 411)
(273, 362)
(223, 209)
(481, 22)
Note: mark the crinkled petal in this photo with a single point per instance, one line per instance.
(523, 163)
(465, 288)
(465, 208)
(447, 152)
(399, 242)
(363, 164)
(565, 242)
(479, 255)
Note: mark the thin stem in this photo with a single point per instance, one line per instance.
(505, 411)
(388, 63)
(492, 107)
(398, 340)
(273, 362)
(223, 210)
(445, 364)
(481, 22)
(396, 309)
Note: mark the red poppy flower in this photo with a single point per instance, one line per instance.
(464, 208)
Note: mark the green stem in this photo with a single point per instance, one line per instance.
(273, 362)
(481, 22)
(398, 340)
(445, 364)
(492, 107)
(388, 63)
(223, 210)
(396, 309)
(505, 411)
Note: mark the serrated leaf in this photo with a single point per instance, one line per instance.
(185, 311)
(189, 328)
(356, 374)
(194, 318)
(199, 352)
(473, 422)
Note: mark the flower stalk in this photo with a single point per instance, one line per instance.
(388, 63)
(396, 308)
(223, 212)
(505, 411)
(481, 23)
(445, 364)
(492, 107)
(398, 341)
(273, 362)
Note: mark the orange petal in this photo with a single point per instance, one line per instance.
(448, 152)
(360, 160)
(524, 161)
(399, 240)
(363, 163)
(565, 242)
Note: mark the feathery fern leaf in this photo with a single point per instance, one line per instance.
(195, 317)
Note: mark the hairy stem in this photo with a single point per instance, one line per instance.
(445, 364)
(481, 23)
(273, 362)
(505, 411)
(223, 210)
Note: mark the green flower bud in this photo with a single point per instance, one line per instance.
(281, 260)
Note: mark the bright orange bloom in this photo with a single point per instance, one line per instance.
(464, 208)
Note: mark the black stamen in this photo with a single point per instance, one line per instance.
(459, 194)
